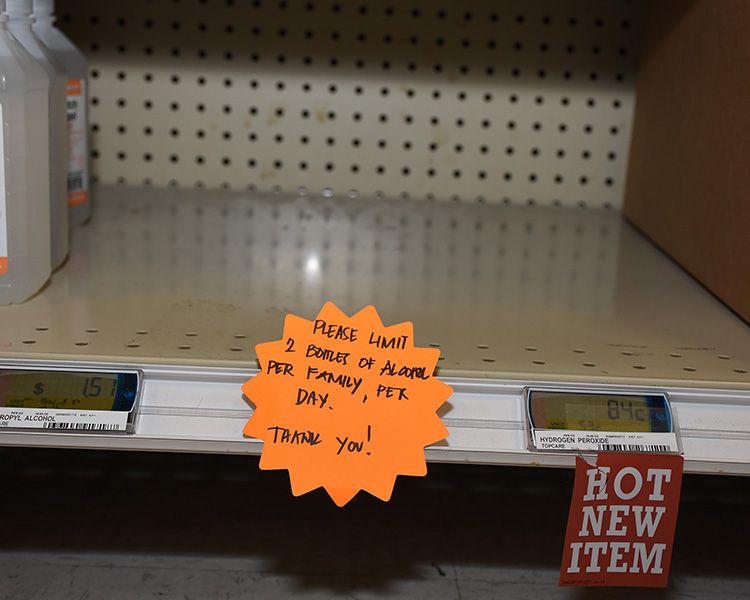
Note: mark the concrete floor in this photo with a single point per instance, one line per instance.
(87, 525)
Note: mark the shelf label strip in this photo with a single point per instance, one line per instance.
(63, 420)
(600, 421)
(604, 441)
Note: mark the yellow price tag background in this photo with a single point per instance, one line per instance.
(594, 413)
(86, 391)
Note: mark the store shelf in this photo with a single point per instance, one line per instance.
(216, 527)
(183, 285)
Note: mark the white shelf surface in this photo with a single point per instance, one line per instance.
(183, 285)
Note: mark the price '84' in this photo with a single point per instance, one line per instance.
(616, 408)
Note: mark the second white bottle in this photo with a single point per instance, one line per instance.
(77, 67)
(19, 25)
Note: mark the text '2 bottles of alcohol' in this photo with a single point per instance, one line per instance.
(44, 185)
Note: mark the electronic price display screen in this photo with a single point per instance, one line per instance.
(78, 401)
(627, 422)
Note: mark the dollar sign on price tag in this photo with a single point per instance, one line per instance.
(346, 403)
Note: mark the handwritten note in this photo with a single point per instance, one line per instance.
(346, 403)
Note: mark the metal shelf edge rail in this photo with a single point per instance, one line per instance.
(202, 409)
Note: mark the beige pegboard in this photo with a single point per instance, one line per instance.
(516, 101)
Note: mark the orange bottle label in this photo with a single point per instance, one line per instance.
(77, 143)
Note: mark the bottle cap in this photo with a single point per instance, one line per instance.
(18, 8)
(43, 8)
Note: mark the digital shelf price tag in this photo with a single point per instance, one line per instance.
(564, 420)
(70, 401)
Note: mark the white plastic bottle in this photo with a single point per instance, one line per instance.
(24, 171)
(77, 67)
(19, 25)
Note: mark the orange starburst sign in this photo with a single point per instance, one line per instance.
(346, 403)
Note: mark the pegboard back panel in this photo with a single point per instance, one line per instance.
(515, 101)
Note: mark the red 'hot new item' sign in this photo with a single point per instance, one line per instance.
(346, 403)
(622, 521)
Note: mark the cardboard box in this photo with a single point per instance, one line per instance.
(688, 183)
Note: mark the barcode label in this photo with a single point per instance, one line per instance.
(604, 441)
(85, 426)
(634, 448)
(76, 181)
(73, 421)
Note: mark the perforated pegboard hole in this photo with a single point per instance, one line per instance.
(42, 328)
(689, 369)
(434, 44)
(132, 345)
(742, 371)
(81, 343)
(539, 362)
(184, 347)
(28, 342)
